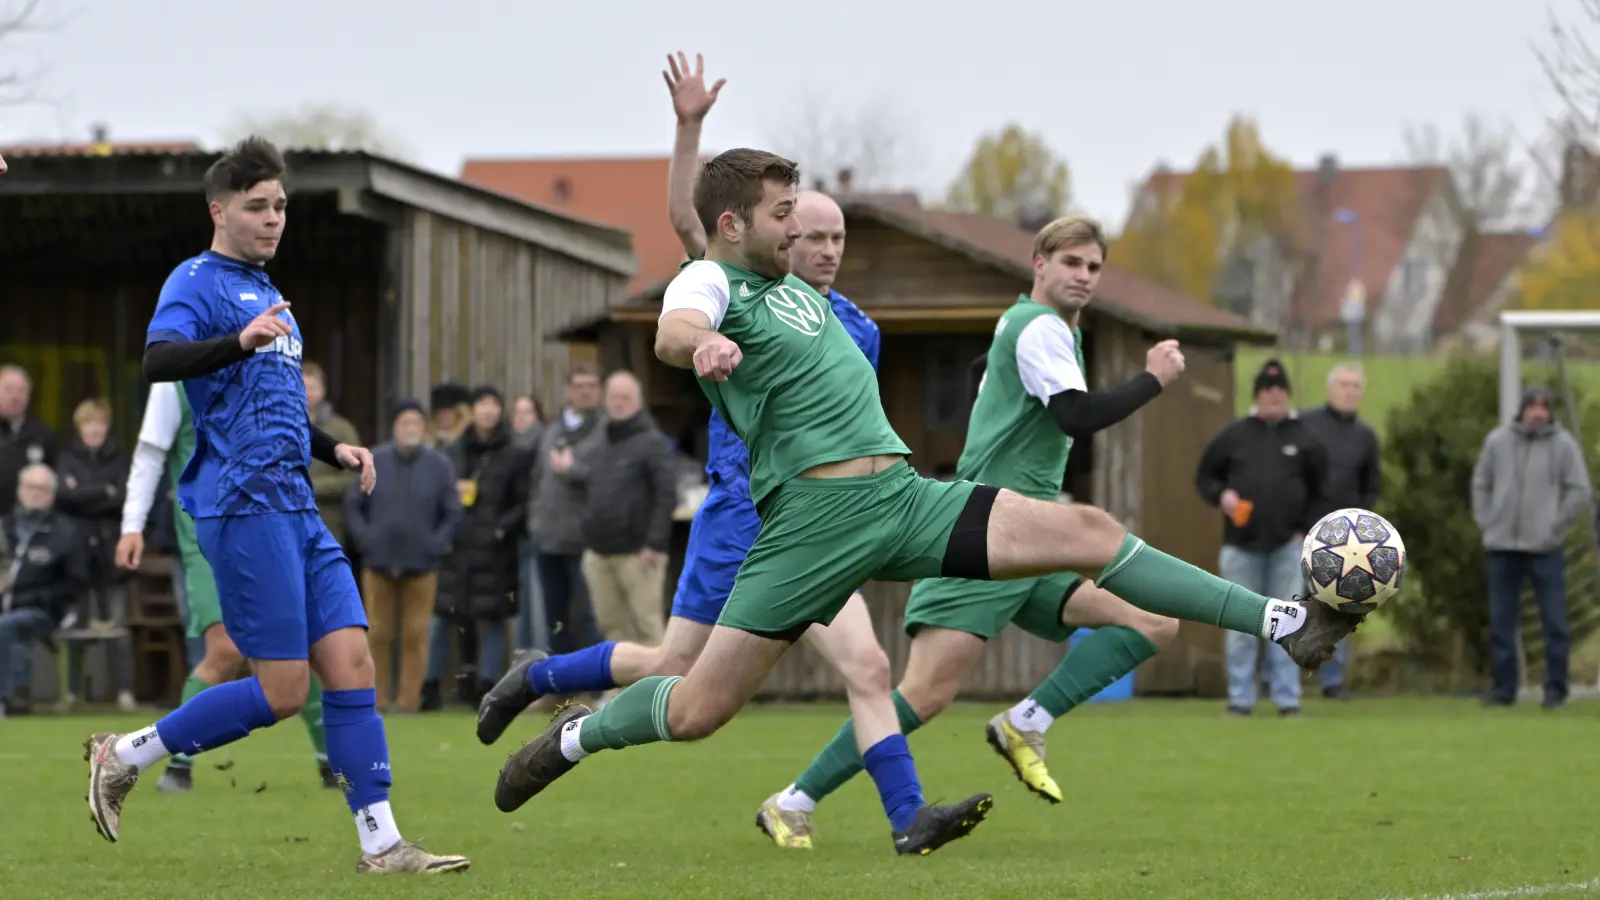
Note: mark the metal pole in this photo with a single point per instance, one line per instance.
(1510, 369)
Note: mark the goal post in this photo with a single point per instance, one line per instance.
(1514, 324)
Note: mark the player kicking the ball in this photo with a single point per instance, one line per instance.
(839, 504)
(726, 524)
(1032, 403)
(166, 441)
(289, 600)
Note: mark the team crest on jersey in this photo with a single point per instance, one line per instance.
(797, 309)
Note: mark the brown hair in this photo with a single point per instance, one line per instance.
(582, 369)
(733, 182)
(250, 162)
(93, 408)
(1069, 231)
(315, 371)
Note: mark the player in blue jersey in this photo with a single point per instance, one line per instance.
(726, 524)
(289, 600)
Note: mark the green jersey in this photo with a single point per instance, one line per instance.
(804, 394)
(182, 443)
(1012, 439)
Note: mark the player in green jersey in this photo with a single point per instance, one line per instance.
(166, 441)
(839, 504)
(1032, 403)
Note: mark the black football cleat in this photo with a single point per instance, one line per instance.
(539, 762)
(936, 826)
(512, 694)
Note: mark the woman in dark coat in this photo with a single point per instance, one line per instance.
(478, 579)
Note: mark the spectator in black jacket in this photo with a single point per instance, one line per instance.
(478, 581)
(23, 440)
(93, 475)
(1265, 473)
(627, 517)
(1353, 472)
(43, 572)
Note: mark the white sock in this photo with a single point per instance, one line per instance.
(376, 826)
(1030, 716)
(1283, 618)
(793, 799)
(570, 748)
(141, 749)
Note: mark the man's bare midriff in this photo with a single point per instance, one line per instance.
(853, 468)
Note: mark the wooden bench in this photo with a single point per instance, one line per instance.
(160, 662)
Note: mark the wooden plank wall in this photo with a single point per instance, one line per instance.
(475, 307)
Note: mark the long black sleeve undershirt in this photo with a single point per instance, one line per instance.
(179, 360)
(1082, 413)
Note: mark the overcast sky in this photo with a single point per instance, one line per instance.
(1114, 86)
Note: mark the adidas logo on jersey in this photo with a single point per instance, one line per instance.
(744, 289)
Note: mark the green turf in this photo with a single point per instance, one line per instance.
(1165, 799)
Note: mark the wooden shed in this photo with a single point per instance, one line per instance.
(400, 278)
(936, 281)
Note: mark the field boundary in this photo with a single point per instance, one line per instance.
(1510, 893)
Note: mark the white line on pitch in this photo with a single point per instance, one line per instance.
(1526, 890)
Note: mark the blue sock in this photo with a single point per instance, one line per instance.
(357, 748)
(585, 670)
(216, 716)
(889, 763)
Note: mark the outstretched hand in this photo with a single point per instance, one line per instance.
(265, 328)
(358, 459)
(691, 99)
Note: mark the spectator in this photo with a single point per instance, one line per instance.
(478, 582)
(93, 476)
(450, 409)
(627, 519)
(527, 424)
(48, 572)
(1529, 486)
(555, 513)
(1265, 472)
(22, 440)
(1353, 473)
(329, 483)
(402, 530)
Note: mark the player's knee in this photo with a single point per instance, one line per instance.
(286, 690)
(866, 671)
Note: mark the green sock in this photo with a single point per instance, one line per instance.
(1089, 667)
(311, 714)
(636, 716)
(191, 686)
(1167, 586)
(841, 759)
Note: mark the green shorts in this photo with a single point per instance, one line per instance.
(984, 608)
(200, 586)
(822, 538)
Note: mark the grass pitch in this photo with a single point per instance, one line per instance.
(1401, 798)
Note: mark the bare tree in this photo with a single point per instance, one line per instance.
(323, 126)
(872, 142)
(1572, 67)
(18, 87)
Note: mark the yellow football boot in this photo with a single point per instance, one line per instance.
(787, 828)
(1024, 750)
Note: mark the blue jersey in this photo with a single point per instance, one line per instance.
(252, 449)
(727, 458)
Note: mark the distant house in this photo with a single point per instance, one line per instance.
(1391, 232)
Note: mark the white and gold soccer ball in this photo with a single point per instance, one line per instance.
(1353, 560)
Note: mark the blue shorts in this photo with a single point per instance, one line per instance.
(720, 536)
(284, 582)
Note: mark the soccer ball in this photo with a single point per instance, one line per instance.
(1353, 560)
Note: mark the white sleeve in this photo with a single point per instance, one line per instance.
(162, 416)
(1047, 359)
(701, 286)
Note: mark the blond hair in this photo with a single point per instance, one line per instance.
(1069, 231)
(93, 408)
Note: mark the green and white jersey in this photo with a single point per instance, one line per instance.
(804, 394)
(1012, 439)
(166, 440)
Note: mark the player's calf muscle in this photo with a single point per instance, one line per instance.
(1029, 537)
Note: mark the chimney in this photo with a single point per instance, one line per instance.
(99, 133)
(1327, 171)
(844, 179)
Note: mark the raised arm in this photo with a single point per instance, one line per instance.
(180, 344)
(691, 100)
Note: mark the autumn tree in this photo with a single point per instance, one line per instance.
(324, 126)
(1239, 199)
(1013, 175)
(871, 141)
(1564, 271)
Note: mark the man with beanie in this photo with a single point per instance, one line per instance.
(1529, 486)
(1266, 473)
(402, 530)
(1354, 475)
